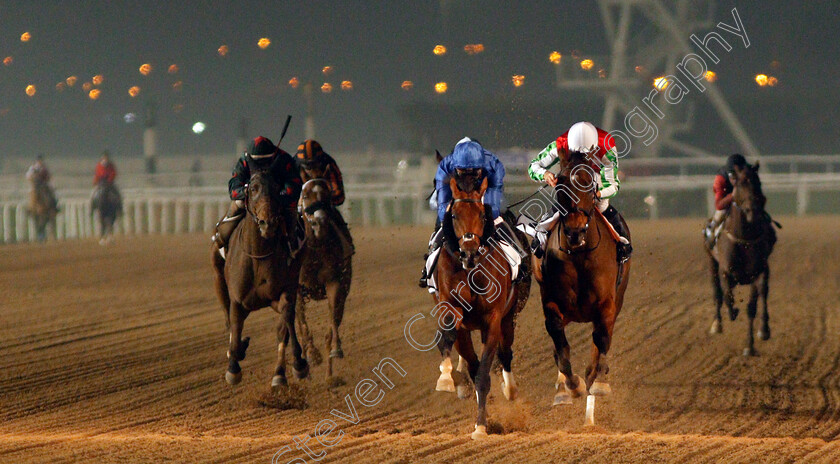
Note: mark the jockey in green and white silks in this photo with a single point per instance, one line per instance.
(582, 137)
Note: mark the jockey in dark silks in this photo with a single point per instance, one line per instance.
(262, 154)
(467, 160)
(314, 163)
(723, 198)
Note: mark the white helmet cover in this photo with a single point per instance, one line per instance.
(582, 137)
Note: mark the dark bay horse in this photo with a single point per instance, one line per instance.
(476, 292)
(740, 254)
(259, 271)
(580, 280)
(42, 208)
(107, 201)
(325, 274)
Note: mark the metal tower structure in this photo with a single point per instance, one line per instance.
(649, 38)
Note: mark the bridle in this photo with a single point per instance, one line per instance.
(588, 213)
(253, 216)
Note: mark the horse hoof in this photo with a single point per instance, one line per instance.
(337, 353)
(717, 328)
(479, 433)
(578, 391)
(463, 392)
(445, 384)
(600, 389)
(278, 381)
(748, 352)
(763, 334)
(733, 314)
(233, 379)
(303, 372)
(562, 398)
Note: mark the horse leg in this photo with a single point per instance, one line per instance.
(752, 307)
(729, 297)
(337, 297)
(285, 306)
(596, 372)
(717, 324)
(506, 358)
(573, 385)
(764, 332)
(279, 379)
(445, 382)
(238, 346)
(221, 284)
(467, 361)
(482, 378)
(311, 351)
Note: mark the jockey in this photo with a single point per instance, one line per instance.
(38, 172)
(467, 158)
(261, 153)
(599, 146)
(314, 163)
(105, 173)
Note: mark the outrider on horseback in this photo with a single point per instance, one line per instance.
(43, 205)
(106, 198)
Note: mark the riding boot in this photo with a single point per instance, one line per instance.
(710, 232)
(435, 242)
(226, 226)
(623, 249)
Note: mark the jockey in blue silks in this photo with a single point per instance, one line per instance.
(468, 158)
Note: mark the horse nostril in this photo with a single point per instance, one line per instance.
(463, 255)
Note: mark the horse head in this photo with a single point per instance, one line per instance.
(575, 194)
(315, 199)
(469, 221)
(746, 192)
(263, 201)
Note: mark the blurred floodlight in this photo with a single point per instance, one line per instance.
(346, 85)
(327, 70)
(555, 57)
(87, 86)
(772, 81)
(326, 87)
(441, 87)
(98, 79)
(223, 50)
(586, 64)
(145, 69)
(60, 86)
(439, 50)
(639, 69)
(134, 91)
(264, 43)
(474, 49)
(177, 86)
(30, 90)
(294, 82)
(518, 80)
(407, 85)
(173, 69)
(650, 200)
(94, 94)
(129, 118)
(71, 81)
(660, 83)
(761, 80)
(8, 60)
(198, 127)
(25, 37)
(711, 76)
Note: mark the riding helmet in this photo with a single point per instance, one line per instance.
(467, 154)
(309, 151)
(736, 159)
(261, 148)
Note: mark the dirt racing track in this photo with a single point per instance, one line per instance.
(117, 354)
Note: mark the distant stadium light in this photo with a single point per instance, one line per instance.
(198, 127)
(761, 80)
(587, 64)
(439, 50)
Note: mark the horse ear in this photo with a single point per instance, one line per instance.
(438, 156)
(453, 185)
(756, 166)
(483, 186)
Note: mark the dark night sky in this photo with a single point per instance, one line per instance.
(375, 44)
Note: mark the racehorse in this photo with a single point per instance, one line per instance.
(580, 279)
(42, 208)
(476, 292)
(740, 254)
(107, 201)
(259, 270)
(325, 274)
